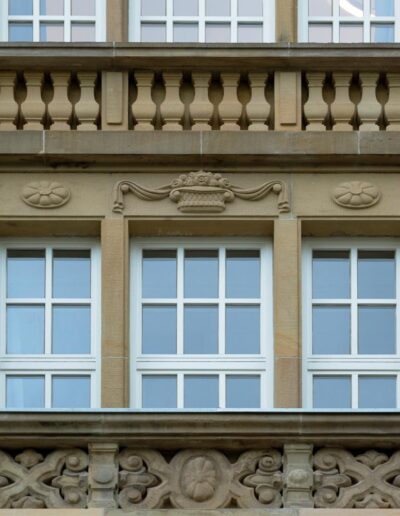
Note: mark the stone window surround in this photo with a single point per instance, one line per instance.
(100, 20)
(48, 364)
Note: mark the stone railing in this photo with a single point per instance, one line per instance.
(199, 88)
(199, 461)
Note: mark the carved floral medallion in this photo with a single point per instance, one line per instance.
(356, 194)
(45, 194)
(201, 192)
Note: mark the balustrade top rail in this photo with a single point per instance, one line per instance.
(207, 57)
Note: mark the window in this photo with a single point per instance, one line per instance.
(49, 324)
(52, 20)
(201, 324)
(351, 324)
(349, 21)
(210, 21)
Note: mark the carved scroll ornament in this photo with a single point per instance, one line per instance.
(356, 195)
(45, 194)
(201, 192)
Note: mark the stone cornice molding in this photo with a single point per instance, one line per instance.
(200, 192)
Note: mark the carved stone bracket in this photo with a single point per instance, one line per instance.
(356, 195)
(200, 192)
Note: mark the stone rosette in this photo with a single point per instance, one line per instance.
(45, 194)
(356, 195)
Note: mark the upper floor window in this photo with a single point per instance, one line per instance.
(201, 325)
(349, 21)
(49, 314)
(210, 21)
(52, 20)
(351, 324)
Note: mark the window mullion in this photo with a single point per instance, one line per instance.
(170, 24)
(222, 301)
(397, 276)
(48, 315)
(48, 390)
(354, 391)
(36, 22)
(335, 24)
(202, 22)
(234, 21)
(180, 301)
(3, 302)
(354, 302)
(67, 20)
(180, 391)
(367, 21)
(222, 390)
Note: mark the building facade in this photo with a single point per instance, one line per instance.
(199, 257)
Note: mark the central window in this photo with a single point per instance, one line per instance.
(210, 21)
(201, 325)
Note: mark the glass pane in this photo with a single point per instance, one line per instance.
(71, 330)
(201, 330)
(376, 275)
(186, 7)
(320, 7)
(186, 32)
(377, 392)
(51, 32)
(242, 274)
(382, 7)
(81, 32)
(331, 275)
(242, 330)
(201, 274)
(376, 330)
(159, 330)
(159, 392)
(20, 32)
(159, 274)
(250, 33)
(382, 33)
(201, 392)
(351, 33)
(54, 7)
(250, 7)
(25, 392)
(71, 274)
(25, 330)
(243, 391)
(332, 392)
(86, 8)
(154, 33)
(218, 32)
(331, 330)
(218, 8)
(352, 8)
(153, 8)
(70, 392)
(20, 7)
(320, 33)
(25, 274)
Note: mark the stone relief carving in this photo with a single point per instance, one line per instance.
(356, 195)
(370, 480)
(201, 192)
(45, 194)
(32, 481)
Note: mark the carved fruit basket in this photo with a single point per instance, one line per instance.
(196, 199)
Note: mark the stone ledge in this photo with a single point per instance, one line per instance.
(223, 430)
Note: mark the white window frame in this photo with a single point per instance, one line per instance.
(267, 20)
(181, 364)
(353, 365)
(36, 18)
(49, 364)
(367, 20)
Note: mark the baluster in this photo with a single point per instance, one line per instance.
(342, 108)
(33, 107)
(60, 107)
(369, 108)
(258, 109)
(315, 109)
(144, 109)
(201, 109)
(172, 108)
(8, 105)
(230, 108)
(86, 108)
(392, 108)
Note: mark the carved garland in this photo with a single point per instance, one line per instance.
(201, 192)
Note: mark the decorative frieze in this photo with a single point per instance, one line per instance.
(200, 192)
